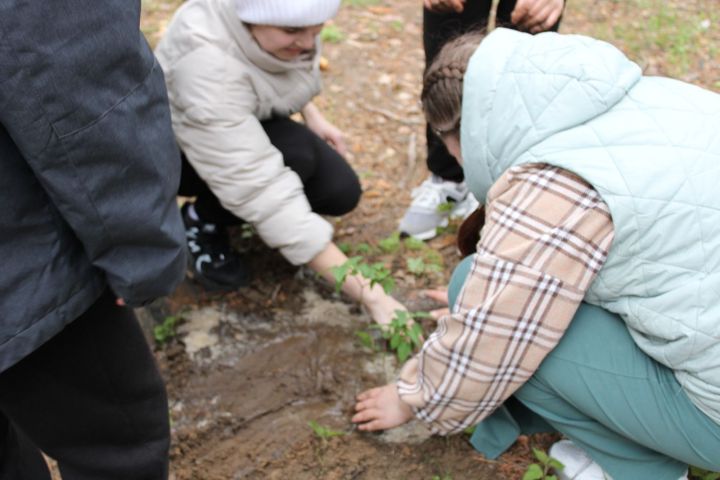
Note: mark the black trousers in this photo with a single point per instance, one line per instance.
(438, 28)
(91, 398)
(331, 185)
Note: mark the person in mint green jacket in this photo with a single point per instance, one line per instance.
(592, 304)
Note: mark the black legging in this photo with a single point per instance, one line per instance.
(91, 398)
(439, 28)
(331, 186)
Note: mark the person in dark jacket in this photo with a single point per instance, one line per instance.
(444, 20)
(88, 224)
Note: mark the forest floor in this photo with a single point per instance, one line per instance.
(248, 371)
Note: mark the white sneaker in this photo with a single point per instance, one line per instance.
(578, 465)
(435, 201)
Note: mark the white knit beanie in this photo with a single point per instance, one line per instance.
(286, 13)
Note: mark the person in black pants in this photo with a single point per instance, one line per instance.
(444, 20)
(237, 74)
(330, 185)
(92, 398)
(89, 228)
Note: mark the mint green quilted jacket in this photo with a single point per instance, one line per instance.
(650, 146)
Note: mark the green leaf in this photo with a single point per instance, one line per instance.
(388, 285)
(166, 330)
(363, 248)
(403, 351)
(391, 243)
(555, 463)
(344, 247)
(534, 472)
(416, 266)
(366, 340)
(412, 243)
(415, 333)
(324, 432)
(339, 274)
(395, 341)
(541, 456)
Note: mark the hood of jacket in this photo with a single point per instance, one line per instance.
(521, 89)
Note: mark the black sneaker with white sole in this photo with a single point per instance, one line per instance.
(212, 261)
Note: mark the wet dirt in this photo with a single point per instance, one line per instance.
(243, 390)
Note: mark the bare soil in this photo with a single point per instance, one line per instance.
(250, 369)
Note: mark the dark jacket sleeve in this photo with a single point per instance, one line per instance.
(84, 100)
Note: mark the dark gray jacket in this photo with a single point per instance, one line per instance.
(88, 167)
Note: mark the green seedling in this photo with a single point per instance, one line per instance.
(166, 331)
(404, 335)
(364, 248)
(324, 433)
(444, 477)
(377, 273)
(700, 474)
(412, 243)
(366, 340)
(418, 267)
(542, 469)
(331, 34)
(470, 430)
(390, 244)
(344, 247)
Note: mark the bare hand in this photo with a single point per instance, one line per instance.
(443, 6)
(330, 133)
(537, 15)
(380, 409)
(440, 295)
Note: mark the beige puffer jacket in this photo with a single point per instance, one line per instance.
(221, 84)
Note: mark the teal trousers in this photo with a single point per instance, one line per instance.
(600, 390)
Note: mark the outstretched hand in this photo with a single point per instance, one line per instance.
(380, 409)
(440, 295)
(536, 15)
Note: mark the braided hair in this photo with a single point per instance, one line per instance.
(443, 82)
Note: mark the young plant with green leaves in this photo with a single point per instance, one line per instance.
(367, 340)
(418, 266)
(377, 273)
(403, 334)
(390, 244)
(542, 470)
(324, 433)
(166, 331)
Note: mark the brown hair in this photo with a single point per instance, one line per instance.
(468, 234)
(443, 82)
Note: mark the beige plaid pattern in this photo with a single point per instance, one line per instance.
(546, 235)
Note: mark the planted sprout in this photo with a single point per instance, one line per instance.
(377, 273)
(542, 469)
(323, 432)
